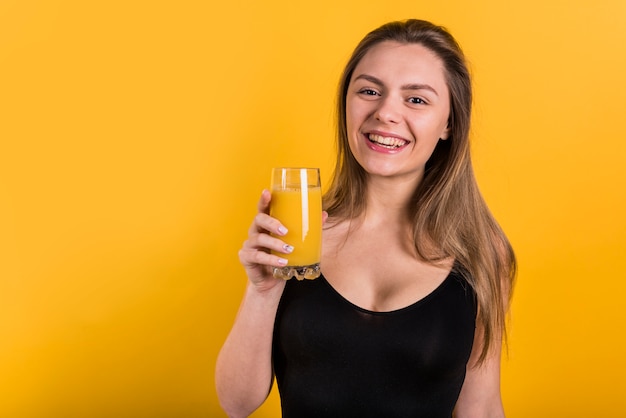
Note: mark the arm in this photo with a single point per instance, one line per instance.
(480, 395)
(243, 372)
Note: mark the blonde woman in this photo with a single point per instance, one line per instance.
(408, 317)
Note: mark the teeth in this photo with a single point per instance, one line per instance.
(387, 141)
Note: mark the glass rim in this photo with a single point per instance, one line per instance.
(295, 168)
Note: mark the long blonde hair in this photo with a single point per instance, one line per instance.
(448, 211)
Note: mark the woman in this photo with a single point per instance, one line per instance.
(408, 317)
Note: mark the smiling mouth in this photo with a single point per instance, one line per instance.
(386, 141)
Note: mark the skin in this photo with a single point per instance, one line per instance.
(397, 92)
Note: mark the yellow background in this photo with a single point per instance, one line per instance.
(136, 136)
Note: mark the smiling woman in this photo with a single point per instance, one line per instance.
(122, 123)
(408, 315)
(394, 114)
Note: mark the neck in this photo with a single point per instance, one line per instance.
(388, 200)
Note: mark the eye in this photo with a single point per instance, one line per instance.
(417, 100)
(368, 92)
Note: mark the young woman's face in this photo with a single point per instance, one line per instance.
(397, 109)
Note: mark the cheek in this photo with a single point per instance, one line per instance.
(352, 128)
(356, 113)
(434, 126)
(349, 120)
(349, 115)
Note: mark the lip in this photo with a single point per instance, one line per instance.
(382, 149)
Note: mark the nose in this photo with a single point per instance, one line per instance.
(388, 111)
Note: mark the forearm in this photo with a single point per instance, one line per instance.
(492, 410)
(244, 366)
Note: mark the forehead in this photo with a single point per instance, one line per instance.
(394, 61)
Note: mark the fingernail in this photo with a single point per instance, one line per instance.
(282, 230)
(288, 248)
(282, 261)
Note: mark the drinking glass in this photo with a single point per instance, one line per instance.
(297, 204)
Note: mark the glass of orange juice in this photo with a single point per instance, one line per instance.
(297, 204)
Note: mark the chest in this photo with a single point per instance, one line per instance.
(409, 359)
(379, 270)
(437, 329)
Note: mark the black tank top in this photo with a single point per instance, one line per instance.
(335, 359)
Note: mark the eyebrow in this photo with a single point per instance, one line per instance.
(410, 86)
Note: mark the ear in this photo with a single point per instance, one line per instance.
(446, 132)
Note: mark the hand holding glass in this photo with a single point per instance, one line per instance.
(297, 204)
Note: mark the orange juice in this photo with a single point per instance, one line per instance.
(301, 214)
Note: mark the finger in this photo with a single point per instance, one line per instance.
(264, 202)
(263, 222)
(266, 243)
(252, 258)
